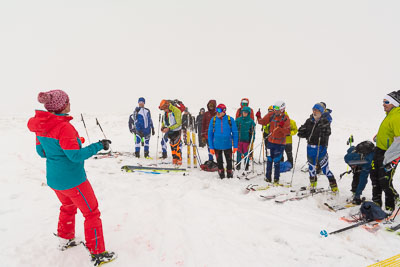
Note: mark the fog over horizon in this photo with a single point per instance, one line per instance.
(106, 54)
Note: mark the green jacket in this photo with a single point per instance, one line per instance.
(173, 119)
(390, 128)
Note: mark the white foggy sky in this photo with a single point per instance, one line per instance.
(105, 54)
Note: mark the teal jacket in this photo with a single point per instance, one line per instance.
(59, 142)
(245, 126)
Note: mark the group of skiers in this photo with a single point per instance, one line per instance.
(59, 142)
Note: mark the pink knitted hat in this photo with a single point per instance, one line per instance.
(54, 100)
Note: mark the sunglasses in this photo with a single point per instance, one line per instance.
(220, 110)
(276, 107)
(386, 102)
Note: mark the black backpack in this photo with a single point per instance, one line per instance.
(365, 147)
(371, 211)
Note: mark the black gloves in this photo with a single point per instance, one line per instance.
(106, 144)
(152, 131)
(302, 132)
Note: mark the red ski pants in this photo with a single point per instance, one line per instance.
(82, 197)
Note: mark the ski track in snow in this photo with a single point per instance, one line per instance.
(175, 220)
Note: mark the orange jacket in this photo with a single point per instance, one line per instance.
(279, 127)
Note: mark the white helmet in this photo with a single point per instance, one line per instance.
(279, 105)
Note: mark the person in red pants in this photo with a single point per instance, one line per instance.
(59, 142)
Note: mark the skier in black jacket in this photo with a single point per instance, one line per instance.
(317, 130)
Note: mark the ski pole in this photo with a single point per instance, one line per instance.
(263, 154)
(158, 136)
(349, 143)
(350, 227)
(98, 123)
(295, 160)
(84, 125)
(247, 155)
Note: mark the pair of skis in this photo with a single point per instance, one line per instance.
(191, 143)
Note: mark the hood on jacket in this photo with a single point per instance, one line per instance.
(212, 102)
(247, 109)
(44, 121)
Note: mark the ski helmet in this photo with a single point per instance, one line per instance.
(164, 104)
(279, 105)
(244, 102)
(221, 108)
(270, 108)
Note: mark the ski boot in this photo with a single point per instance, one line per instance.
(313, 183)
(164, 155)
(221, 173)
(357, 200)
(229, 173)
(333, 185)
(276, 182)
(247, 166)
(65, 244)
(102, 258)
(146, 155)
(238, 167)
(268, 180)
(137, 154)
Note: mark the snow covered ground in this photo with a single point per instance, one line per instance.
(176, 220)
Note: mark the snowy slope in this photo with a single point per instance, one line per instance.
(176, 220)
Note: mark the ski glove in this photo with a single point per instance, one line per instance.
(106, 144)
(234, 150)
(302, 132)
(212, 151)
(281, 124)
(152, 131)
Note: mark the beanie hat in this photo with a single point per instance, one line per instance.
(54, 100)
(393, 98)
(319, 107)
(202, 109)
(141, 99)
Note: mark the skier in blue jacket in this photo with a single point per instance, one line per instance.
(222, 135)
(141, 124)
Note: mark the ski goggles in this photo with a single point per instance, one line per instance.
(276, 107)
(386, 102)
(245, 102)
(220, 110)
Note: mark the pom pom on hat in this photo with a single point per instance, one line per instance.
(54, 100)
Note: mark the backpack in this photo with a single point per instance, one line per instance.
(371, 211)
(229, 121)
(365, 147)
(360, 154)
(177, 103)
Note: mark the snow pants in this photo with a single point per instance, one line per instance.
(382, 180)
(274, 155)
(243, 150)
(82, 197)
(318, 155)
(138, 142)
(175, 143)
(164, 142)
(220, 160)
